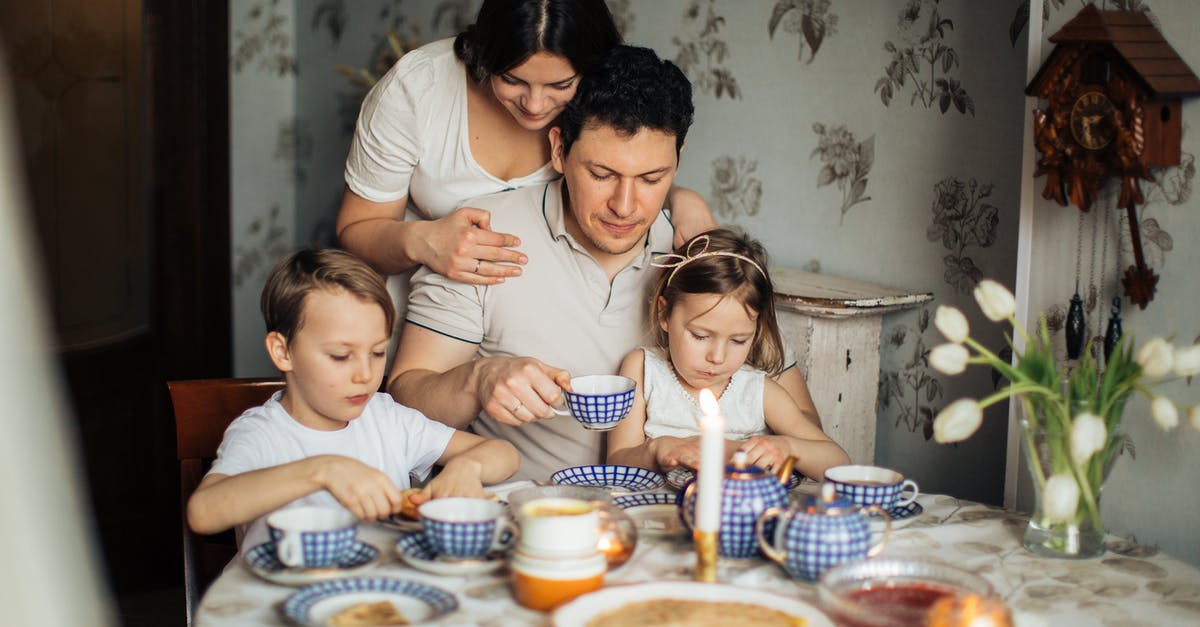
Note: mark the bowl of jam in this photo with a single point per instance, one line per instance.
(907, 593)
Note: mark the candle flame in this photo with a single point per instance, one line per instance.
(708, 403)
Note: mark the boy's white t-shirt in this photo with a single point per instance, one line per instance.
(388, 436)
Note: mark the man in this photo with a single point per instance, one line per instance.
(581, 302)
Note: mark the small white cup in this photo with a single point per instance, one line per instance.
(558, 527)
(311, 537)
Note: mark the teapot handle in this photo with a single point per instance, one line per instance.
(887, 530)
(775, 553)
(685, 513)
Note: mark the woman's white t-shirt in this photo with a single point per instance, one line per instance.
(412, 137)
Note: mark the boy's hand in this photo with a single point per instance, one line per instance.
(460, 477)
(366, 492)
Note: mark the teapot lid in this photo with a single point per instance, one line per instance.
(830, 503)
(739, 468)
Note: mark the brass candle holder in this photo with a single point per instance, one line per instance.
(706, 555)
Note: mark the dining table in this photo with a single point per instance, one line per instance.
(1130, 584)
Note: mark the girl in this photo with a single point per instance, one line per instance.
(716, 329)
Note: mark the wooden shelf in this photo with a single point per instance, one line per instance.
(833, 297)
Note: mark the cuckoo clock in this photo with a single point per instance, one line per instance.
(1111, 92)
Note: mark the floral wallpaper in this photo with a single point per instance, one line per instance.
(816, 132)
(811, 21)
(923, 60)
(846, 162)
(703, 51)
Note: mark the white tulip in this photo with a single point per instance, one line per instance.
(995, 300)
(1187, 361)
(952, 323)
(1060, 498)
(1155, 357)
(1164, 412)
(949, 358)
(958, 421)
(1194, 417)
(1088, 437)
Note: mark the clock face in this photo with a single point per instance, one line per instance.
(1092, 120)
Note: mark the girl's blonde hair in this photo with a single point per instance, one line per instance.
(727, 262)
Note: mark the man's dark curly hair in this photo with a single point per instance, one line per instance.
(634, 90)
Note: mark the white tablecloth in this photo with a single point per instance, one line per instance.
(1130, 585)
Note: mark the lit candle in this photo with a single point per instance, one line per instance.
(711, 473)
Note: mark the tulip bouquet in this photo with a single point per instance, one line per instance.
(1072, 421)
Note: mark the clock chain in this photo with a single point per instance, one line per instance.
(1076, 324)
(1114, 331)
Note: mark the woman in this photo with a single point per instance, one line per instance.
(455, 120)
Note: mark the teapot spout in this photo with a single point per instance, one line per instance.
(784, 472)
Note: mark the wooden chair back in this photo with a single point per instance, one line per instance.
(203, 409)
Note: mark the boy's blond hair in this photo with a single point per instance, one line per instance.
(303, 272)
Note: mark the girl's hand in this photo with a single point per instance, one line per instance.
(672, 452)
(365, 491)
(462, 246)
(766, 451)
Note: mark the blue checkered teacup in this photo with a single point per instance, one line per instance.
(872, 485)
(460, 528)
(599, 401)
(312, 537)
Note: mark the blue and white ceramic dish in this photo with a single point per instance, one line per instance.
(599, 402)
(654, 513)
(314, 605)
(415, 550)
(902, 516)
(648, 498)
(631, 478)
(678, 477)
(903, 512)
(264, 562)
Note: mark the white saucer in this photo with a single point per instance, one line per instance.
(415, 551)
(654, 513)
(262, 561)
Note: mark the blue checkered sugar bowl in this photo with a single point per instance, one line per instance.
(819, 533)
(747, 492)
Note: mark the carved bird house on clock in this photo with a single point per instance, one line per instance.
(1111, 91)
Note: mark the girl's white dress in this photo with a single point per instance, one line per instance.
(670, 410)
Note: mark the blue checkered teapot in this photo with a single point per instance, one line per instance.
(747, 492)
(819, 533)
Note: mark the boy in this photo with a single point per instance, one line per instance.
(329, 437)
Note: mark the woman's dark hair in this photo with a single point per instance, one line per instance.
(506, 32)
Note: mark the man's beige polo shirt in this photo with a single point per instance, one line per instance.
(561, 310)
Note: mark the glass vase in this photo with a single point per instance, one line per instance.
(1081, 536)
